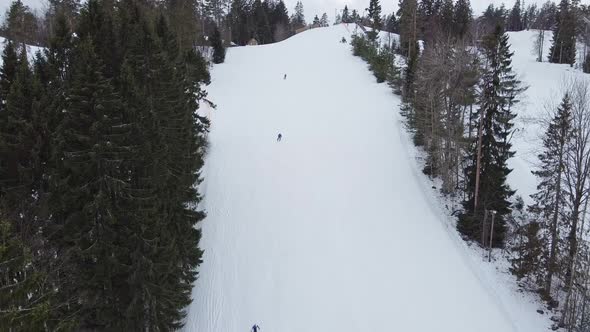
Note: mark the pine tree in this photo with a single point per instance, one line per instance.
(280, 22)
(409, 79)
(316, 21)
(17, 131)
(374, 11)
(218, 48)
(184, 18)
(215, 8)
(492, 17)
(89, 226)
(346, 15)
(238, 20)
(529, 249)
(25, 296)
(391, 24)
(447, 23)
(563, 46)
(21, 24)
(355, 17)
(161, 101)
(548, 200)
(408, 37)
(462, 18)
(261, 24)
(8, 71)
(99, 25)
(515, 18)
(324, 20)
(486, 174)
(70, 8)
(429, 20)
(298, 18)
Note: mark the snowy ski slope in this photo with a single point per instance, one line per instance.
(334, 228)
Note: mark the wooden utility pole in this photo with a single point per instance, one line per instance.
(491, 236)
(484, 228)
(478, 162)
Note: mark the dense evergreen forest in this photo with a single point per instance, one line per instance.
(454, 73)
(100, 156)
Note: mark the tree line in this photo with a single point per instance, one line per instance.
(101, 148)
(459, 91)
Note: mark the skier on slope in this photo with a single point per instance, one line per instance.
(279, 137)
(255, 328)
(285, 77)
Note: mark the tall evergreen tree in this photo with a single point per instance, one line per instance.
(89, 185)
(218, 48)
(391, 24)
(549, 200)
(316, 21)
(70, 9)
(486, 174)
(21, 24)
(161, 97)
(25, 296)
(184, 18)
(346, 15)
(298, 18)
(280, 22)
(515, 18)
(408, 37)
(429, 20)
(8, 71)
(563, 46)
(324, 20)
(447, 20)
(374, 11)
(261, 23)
(355, 17)
(462, 18)
(492, 17)
(238, 18)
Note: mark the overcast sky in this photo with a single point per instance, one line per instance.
(317, 7)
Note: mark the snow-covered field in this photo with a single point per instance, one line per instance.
(546, 83)
(334, 228)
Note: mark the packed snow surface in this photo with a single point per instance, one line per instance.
(333, 228)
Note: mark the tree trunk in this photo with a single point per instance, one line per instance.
(553, 249)
(478, 161)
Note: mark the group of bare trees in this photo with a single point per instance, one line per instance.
(446, 78)
(551, 244)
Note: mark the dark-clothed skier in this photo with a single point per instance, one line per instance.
(279, 137)
(255, 328)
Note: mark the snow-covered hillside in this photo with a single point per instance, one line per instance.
(546, 83)
(31, 50)
(334, 228)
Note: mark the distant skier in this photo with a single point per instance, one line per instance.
(255, 328)
(279, 137)
(285, 77)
